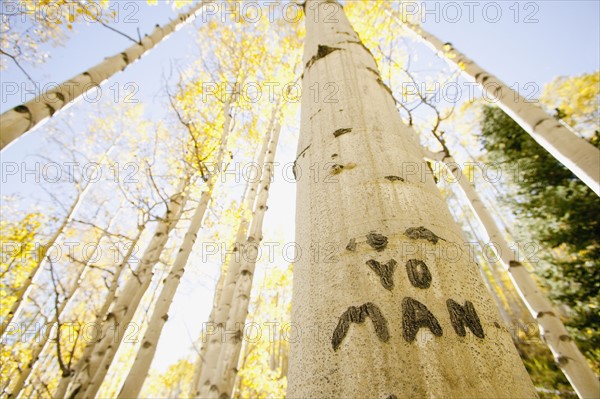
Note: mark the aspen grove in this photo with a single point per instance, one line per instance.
(317, 199)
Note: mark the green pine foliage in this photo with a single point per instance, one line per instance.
(563, 214)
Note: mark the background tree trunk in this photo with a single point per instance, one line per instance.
(577, 154)
(568, 357)
(229, 356)
(65, 380)
(139, 370)
(206, 364)
(22, 118)
(118, 318)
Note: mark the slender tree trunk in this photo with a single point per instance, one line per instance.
(41, 340)
(567, 355)
(23, 293)
(574, 152)
(216, 299)
(139, 370)
(19, 120)
(209, 352)
(107, 356)
(118, 318)
(386, 303)
(513, 302)
(226, 369)
(66, 379)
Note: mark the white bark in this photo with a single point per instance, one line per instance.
(25, 289)
(139, 370)
(221, 383)
(568, 357)
(65, 380)
(519, 313)
(360, 329)
(206, 363)
(574, 152)
(19, 120)
(26, 286)
(41, 340)
(118, 318)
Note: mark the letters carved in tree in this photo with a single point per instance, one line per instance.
(415, 315)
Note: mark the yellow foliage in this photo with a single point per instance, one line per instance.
(173, 383)
(264, 366)
(19, 254)
(576, 99)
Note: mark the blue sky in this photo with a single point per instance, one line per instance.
(563, 41)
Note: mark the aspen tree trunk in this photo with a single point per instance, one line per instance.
(205, 366)
(119, 316)
(23, 293)
(107, 356)
(42, 340)
(395, 309)
(139, 370)
(22, 118)
(65, 380)
(223, 382)
(489, 285)
(568, 357)
(508, 294)
(513, 301)
(41, 258)
(574, 152)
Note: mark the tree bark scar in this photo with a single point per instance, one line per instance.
(375, 71)
(339, 132)
(394, 178)
(514, 263)
(418, 273)
(315, 114)
(422, 233)
(385, 272)
(125, 58)
(542, 314)
(345, 33)
(51, 109)
(358, 315)
(351, 245)
(386, 87)
(464, 315)
(296, 160)
(565, 338)
(322, 51)
(416, 315)
(377, 241)
(562, 361)
(75, 392)
(539, 122)
(22, 109)
(336, 169)
(430, 166)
